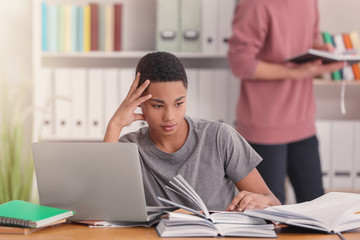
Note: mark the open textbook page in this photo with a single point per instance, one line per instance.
(332, 212)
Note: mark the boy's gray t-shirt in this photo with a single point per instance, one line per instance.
(213, 158)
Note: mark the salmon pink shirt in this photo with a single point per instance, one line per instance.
(273, 111)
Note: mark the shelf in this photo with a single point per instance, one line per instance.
(127, 59)
(327, 82)
(128, 54)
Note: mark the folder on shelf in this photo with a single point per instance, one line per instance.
(167, 25)
(209, 26)
(62, 86)
(118, 26)
(101, 39)
(44, 26)
(74, 28)
(87, 28)
(61, 28)
(67, 28)
(340, 48)
(80, 29)
(109, 28)
(78, 108)
(95, 103)
(226, 10)
(323, 132)
(53, 28)
(111, 92)
(190, 26)
(192, 107)
(342, 154)
(355, 41)
(94, 27)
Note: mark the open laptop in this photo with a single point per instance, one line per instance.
(99, 181)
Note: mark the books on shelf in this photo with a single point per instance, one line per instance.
(333, 212)
(81, 28)
(206, 223)
(30, 215)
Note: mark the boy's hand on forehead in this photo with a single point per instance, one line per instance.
(125, 114)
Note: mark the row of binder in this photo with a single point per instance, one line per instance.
(77, 103)
(340, 154)
(194, 25)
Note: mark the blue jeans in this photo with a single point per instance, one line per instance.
(299, 160)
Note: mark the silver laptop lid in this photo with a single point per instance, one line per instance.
(99, 181)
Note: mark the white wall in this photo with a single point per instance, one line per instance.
(15, 40)
(338, 16)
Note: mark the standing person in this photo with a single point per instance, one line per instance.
(276, 108)
(211, 156)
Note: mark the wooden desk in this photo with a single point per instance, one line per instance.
(77, 232)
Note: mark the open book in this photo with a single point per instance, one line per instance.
(202, 224)
(333, 212)
(325, 56)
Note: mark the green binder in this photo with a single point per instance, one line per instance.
(26, 214)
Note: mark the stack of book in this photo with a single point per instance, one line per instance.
(72, 28)
(20, 217)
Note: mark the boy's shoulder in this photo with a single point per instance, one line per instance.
(134, 136)
(202, 124)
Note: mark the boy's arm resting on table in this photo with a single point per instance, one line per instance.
(125, 115)
(252, 190)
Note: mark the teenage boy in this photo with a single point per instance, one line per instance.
(211, 156)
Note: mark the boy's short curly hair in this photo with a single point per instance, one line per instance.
(161, 67)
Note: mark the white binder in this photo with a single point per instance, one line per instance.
(53, 28)
(43, 103)
(222, 90)
(63, 93)
(342, 150)
(226, 13)
(323, 132)
(167, 25)
(190, 26)
(357, 156)
(112, 90)
(209, 26)
(234, 94)
(95, 103)
(78, 120)
(206, 94)
(192, 102)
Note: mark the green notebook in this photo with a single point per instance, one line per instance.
(26, 214)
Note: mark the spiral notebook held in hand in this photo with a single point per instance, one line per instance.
(206, 224)
(333, 212)
(325, 57)
(29, 215)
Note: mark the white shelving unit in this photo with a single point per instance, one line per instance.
(138, 38)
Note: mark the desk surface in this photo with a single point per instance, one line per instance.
(74, 232)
